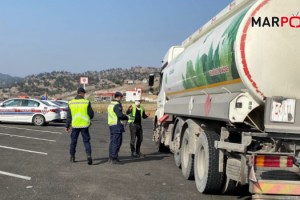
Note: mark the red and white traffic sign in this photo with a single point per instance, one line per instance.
(84, 80)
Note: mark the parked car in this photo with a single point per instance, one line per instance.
(62, 102)
(63, 109)
(28, 111)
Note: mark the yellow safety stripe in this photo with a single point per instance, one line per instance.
(79, 115)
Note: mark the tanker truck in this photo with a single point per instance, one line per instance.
(228, 105)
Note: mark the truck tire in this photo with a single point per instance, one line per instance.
(176, 140)
(177, 159)
(161, 147)
(38, 120)
(229, 187)
(207, 176)
(187, 159)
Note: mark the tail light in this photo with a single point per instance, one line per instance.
(274, 161)
(63, 109)
(54, 110)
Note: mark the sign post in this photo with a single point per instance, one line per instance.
(84, 80)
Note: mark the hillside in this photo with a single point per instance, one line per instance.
(8, 81)
(62, 83)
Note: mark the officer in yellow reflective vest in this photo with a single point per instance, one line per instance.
(136, 112)
(116, 128)
(79, 115)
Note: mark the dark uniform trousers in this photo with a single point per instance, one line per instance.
(136, 132)
(115, 144)
(85, 137)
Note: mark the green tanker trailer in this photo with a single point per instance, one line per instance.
(228, 106)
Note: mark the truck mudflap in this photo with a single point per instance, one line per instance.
(275, 187)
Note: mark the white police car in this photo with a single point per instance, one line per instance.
(63, 110)
(28, 111)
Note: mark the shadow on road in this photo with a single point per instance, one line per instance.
(50, 124)
(57, 124)
(128, 159)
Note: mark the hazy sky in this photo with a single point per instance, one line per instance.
(79, 35)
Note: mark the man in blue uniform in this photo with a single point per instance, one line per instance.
(79, 115)
(116, 127)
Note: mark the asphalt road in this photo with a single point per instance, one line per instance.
(34, 164)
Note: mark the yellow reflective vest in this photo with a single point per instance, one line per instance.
(112, 116)
(133, 112)
(80, 117)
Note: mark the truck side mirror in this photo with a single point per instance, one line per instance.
(151, 80)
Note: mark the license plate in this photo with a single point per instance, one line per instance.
(283, 110)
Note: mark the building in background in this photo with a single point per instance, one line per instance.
(104, 96)
(132, 95)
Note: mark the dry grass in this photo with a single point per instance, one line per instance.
(102, 107)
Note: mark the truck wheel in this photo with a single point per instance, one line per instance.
(161, 147)
(38, 120)
(207, 176)
(176, 141)
(229, 186)
(177, 159)
(187, 160)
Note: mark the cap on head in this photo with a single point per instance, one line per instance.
(81, 90)
(118, 94)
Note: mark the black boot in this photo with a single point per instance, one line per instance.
(133, 154)
(72, 159)
(90, 161)
(116, 161)
(140, 155)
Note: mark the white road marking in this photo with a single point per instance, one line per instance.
(30, 129)
(37, 152)
(15, 175)
(11, 135)
(60, 127)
